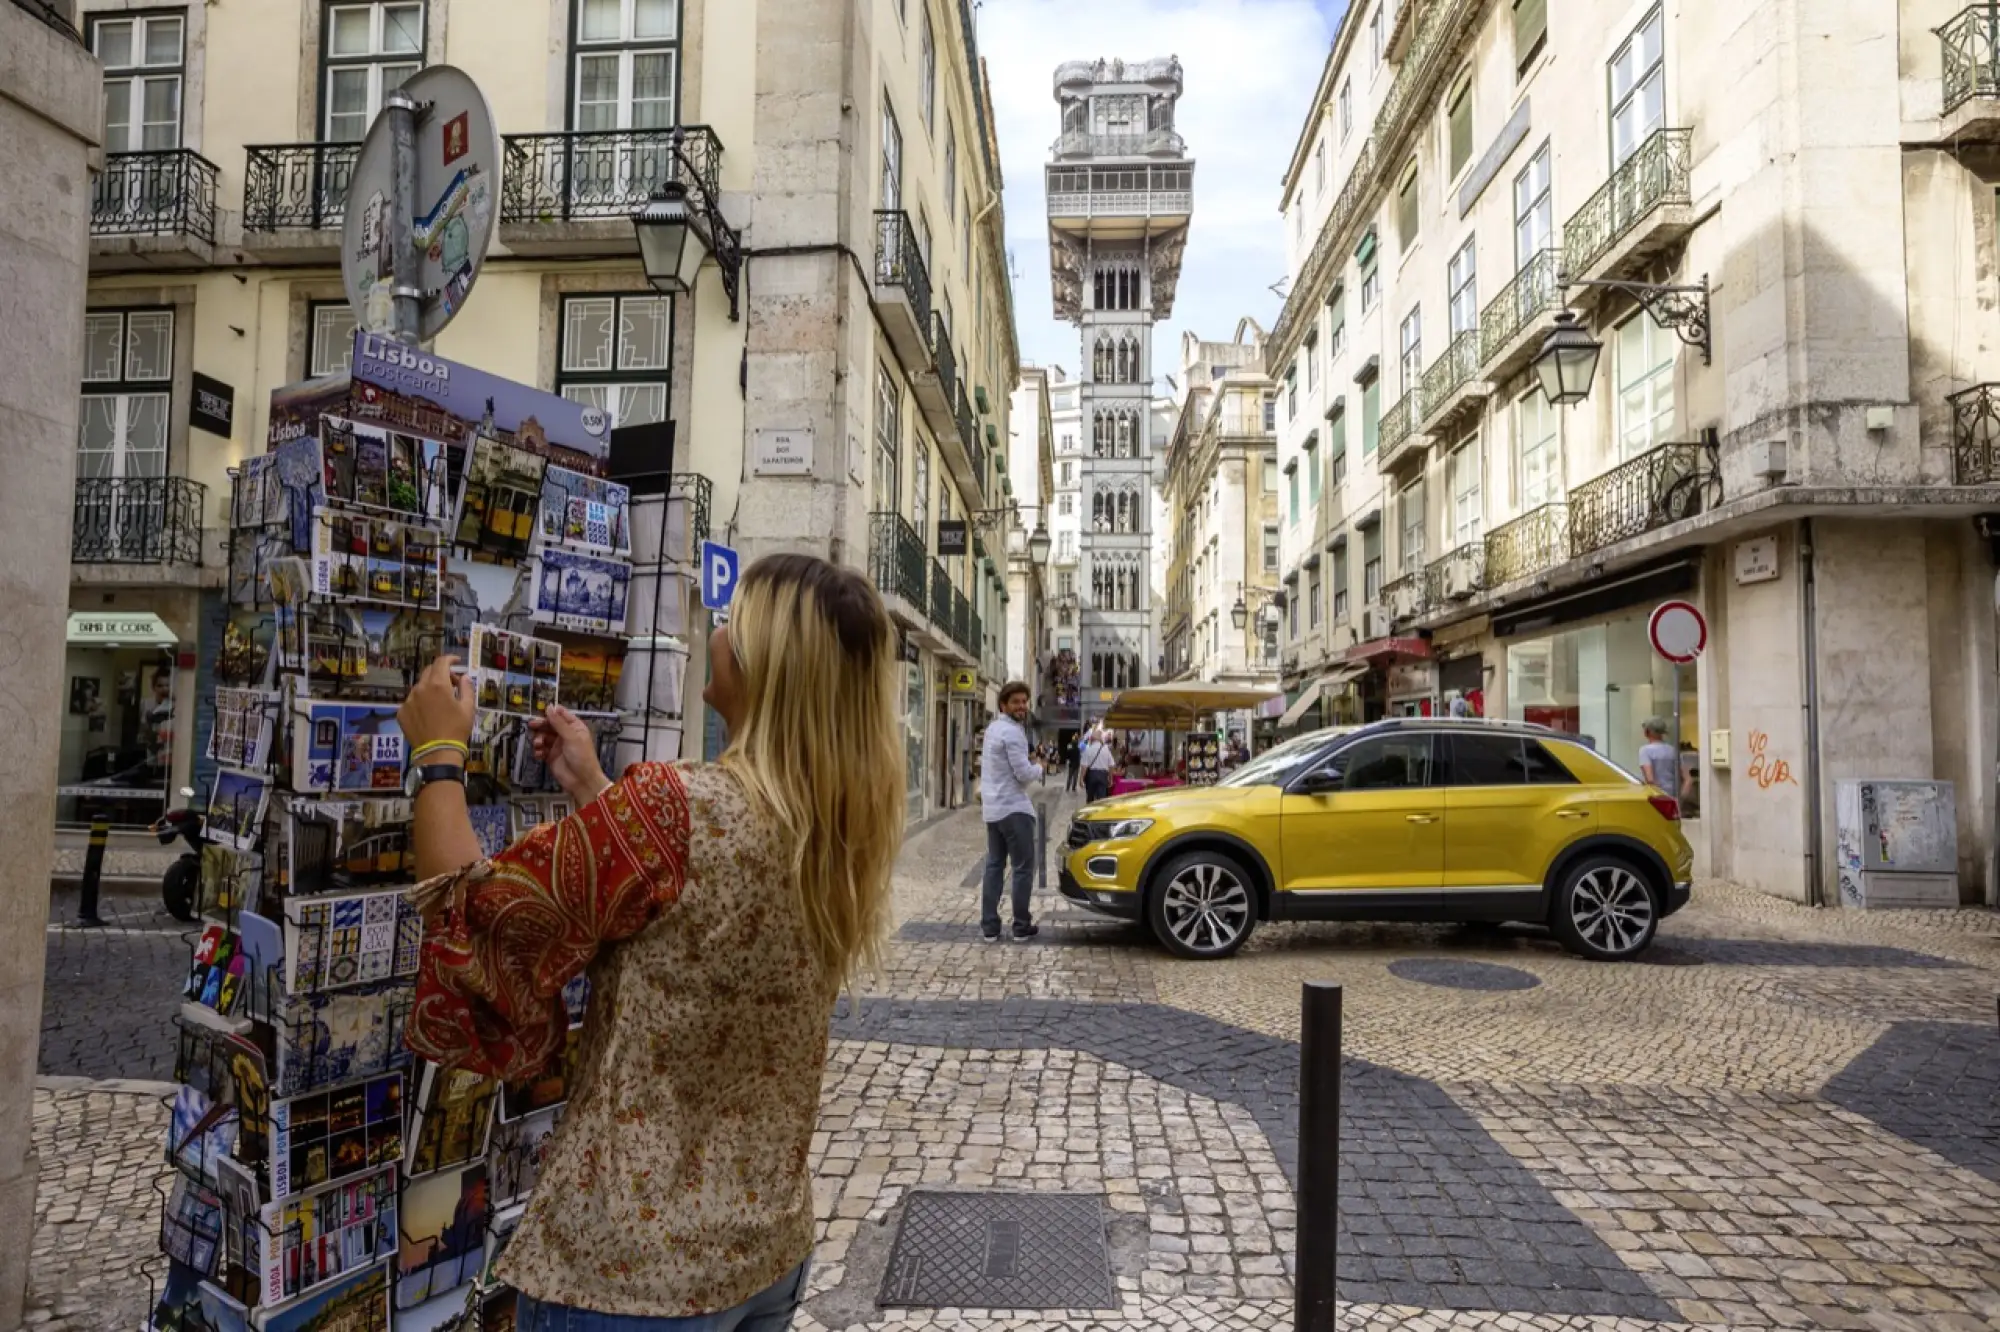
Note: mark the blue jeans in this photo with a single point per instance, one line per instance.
(768, 1311)
(1010, 838)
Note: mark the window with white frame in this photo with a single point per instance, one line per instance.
(1336, 318)
(1462, 282)
(1312, 362)
(892, 158)
(1408, 220)
(1292, 393)
(1534, 217)
(1644, 355)
(627, 54)
(1371, 565)
(1458, 127)
(1638, 88)
(1319, 167)
(920, 492)
(924, 238)
(1375, 35)
(1412, 344)
(1315, 606)
(889, 446)
(329, 338)
(927, 69)
(1346, 100)
(128, 373)
(1410, 512)
(615, 355)
(369, 50)
(1339, 560)
(950, 171)
(1538, 478)
(1270, 548)
(1462, 474)
(143, 66)
(1371, 287)
(1292, 608)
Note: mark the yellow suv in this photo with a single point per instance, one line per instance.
(1415, 819)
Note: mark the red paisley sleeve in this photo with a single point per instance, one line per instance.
(514, 930)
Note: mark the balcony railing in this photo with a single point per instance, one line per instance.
(899, 262)
(961, 623)
(1655, 175)
(1971, 43)
(1451, 372)
(1438, 29)
(289, 186)
(1396, 425)
(1122, 203)
(1662, 485)
(1532, 294)
(1151, 143)
(1328, 257)
(584, 174)
(1455, 576)
(942, 353)
(1534, 543)
(1975, 435)
(896, 558)
(169, 192)
(969, 432)
(941, 598)
(137, 520)
(1404, 598)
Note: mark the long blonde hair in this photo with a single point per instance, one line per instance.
(820, 744)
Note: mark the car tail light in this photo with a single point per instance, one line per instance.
(1670, 808)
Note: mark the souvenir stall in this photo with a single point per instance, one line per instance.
(322, 1176)
(1185, 716)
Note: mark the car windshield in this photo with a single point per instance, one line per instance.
(1275, 767)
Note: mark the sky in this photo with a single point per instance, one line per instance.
(1250, 67)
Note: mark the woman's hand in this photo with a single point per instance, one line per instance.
(440, 707)
(563, 741)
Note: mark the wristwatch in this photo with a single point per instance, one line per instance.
(419, 778)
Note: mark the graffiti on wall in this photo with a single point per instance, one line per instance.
(1766, 770)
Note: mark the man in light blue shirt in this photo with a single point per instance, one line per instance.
(1004, 773)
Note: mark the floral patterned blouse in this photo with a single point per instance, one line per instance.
(677, 1183)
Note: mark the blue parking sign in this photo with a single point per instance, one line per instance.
(718, 575)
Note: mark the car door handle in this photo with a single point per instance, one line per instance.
(1572, 813)
(1421, 818)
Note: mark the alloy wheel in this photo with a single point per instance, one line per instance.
(1206, 907)
(1612, 909)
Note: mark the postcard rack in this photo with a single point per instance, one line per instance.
(321, 1174)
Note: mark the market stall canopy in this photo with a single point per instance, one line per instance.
(1310, 695)
(1176, 706)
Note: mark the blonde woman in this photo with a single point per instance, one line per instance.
(718, 909)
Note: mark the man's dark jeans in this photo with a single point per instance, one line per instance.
(1097, 784)
(1011, 838)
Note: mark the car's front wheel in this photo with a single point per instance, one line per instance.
(1604, 910)
(1202, 905)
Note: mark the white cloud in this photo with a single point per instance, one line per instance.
(1251, 67)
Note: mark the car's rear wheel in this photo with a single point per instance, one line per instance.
(1604, 910)
(1202, 905)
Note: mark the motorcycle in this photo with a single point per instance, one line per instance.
(180, 886)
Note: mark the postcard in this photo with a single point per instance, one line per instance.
(589, 681)
(576, 998)
(325, 1136)
(358, 558)
(373, 467)
(333, 942)
(585, 511)
(191, 1226)
(357, 1302)
(351, 649)
(241, 734)
(347, 747)
(519, 1148)
(200, 1132)
(235, 816)
(301, 472)
(252, 556)
(493, 826)
(256, 496)
(443, 1234)
(499, 499)
(335, 1036)
(311, 1240)
(445, 388)
(512, 673)
(331, 845)
(452, 1120)
(577, 591)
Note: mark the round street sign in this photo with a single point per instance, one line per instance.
(458, 183)
(1678, 631)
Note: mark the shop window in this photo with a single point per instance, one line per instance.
(367, 51)
(143, 64)
(1603, 682)
(329, 338)
(614, 355)
(627, 52)
(117, 736)
(1645, 355)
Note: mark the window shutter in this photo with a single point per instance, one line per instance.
(1531, 26)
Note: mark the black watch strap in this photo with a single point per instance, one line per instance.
(440, 772)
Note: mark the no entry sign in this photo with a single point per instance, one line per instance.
(1678, 631)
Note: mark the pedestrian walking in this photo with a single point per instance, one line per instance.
(1072, 758)
(1006, 771)
(1098, 760)
(720, 909)
(1660, 762)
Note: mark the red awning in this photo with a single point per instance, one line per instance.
(1388, 647)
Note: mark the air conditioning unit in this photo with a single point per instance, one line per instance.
(1374, 623)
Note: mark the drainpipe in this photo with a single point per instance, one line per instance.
(1808, 621)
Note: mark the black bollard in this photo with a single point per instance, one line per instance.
(1319, 1157)
(93, 871)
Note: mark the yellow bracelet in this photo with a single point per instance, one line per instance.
(434, 746)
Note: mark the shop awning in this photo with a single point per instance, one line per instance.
(1176, 706)
(115, 629)
(1387, 647)
(1312, 693)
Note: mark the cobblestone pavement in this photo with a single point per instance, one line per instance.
(1785, 1118)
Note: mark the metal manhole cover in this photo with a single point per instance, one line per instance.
(1458, 974)
(1000, 1251)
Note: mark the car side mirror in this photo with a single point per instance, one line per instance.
(1319, 783)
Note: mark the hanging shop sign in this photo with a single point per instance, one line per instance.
(965, 682)
(1678, 631)
(129, 629)
(952, 536)
(212, 406)
(457, 179)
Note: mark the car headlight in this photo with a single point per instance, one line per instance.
(1123, 828)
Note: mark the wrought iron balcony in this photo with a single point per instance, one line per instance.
(1398, 427)
(1327, 260)
(1405, 598)
(941, 591)
(297, 186)
(1971, 48)
(1531, 297)
(1653, 177)
(896, 559)
(1534, 543)
(947, 359)
(1440, 29)
(137, 520)
(1662, 485)
(903, 287)
(169, 192)
(961, 624)
(1455, 576)
(1449, 376)
(969, 432)
(586, 174)
(1149, 143)
(1975, 435)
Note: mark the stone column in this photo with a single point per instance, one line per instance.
(50, 110)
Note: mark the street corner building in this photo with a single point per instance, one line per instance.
(1577, 326)
(839, 367)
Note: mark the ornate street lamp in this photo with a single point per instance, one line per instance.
(1038, 544)
(1567, 361)
(666, 227)
(1239, 614)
